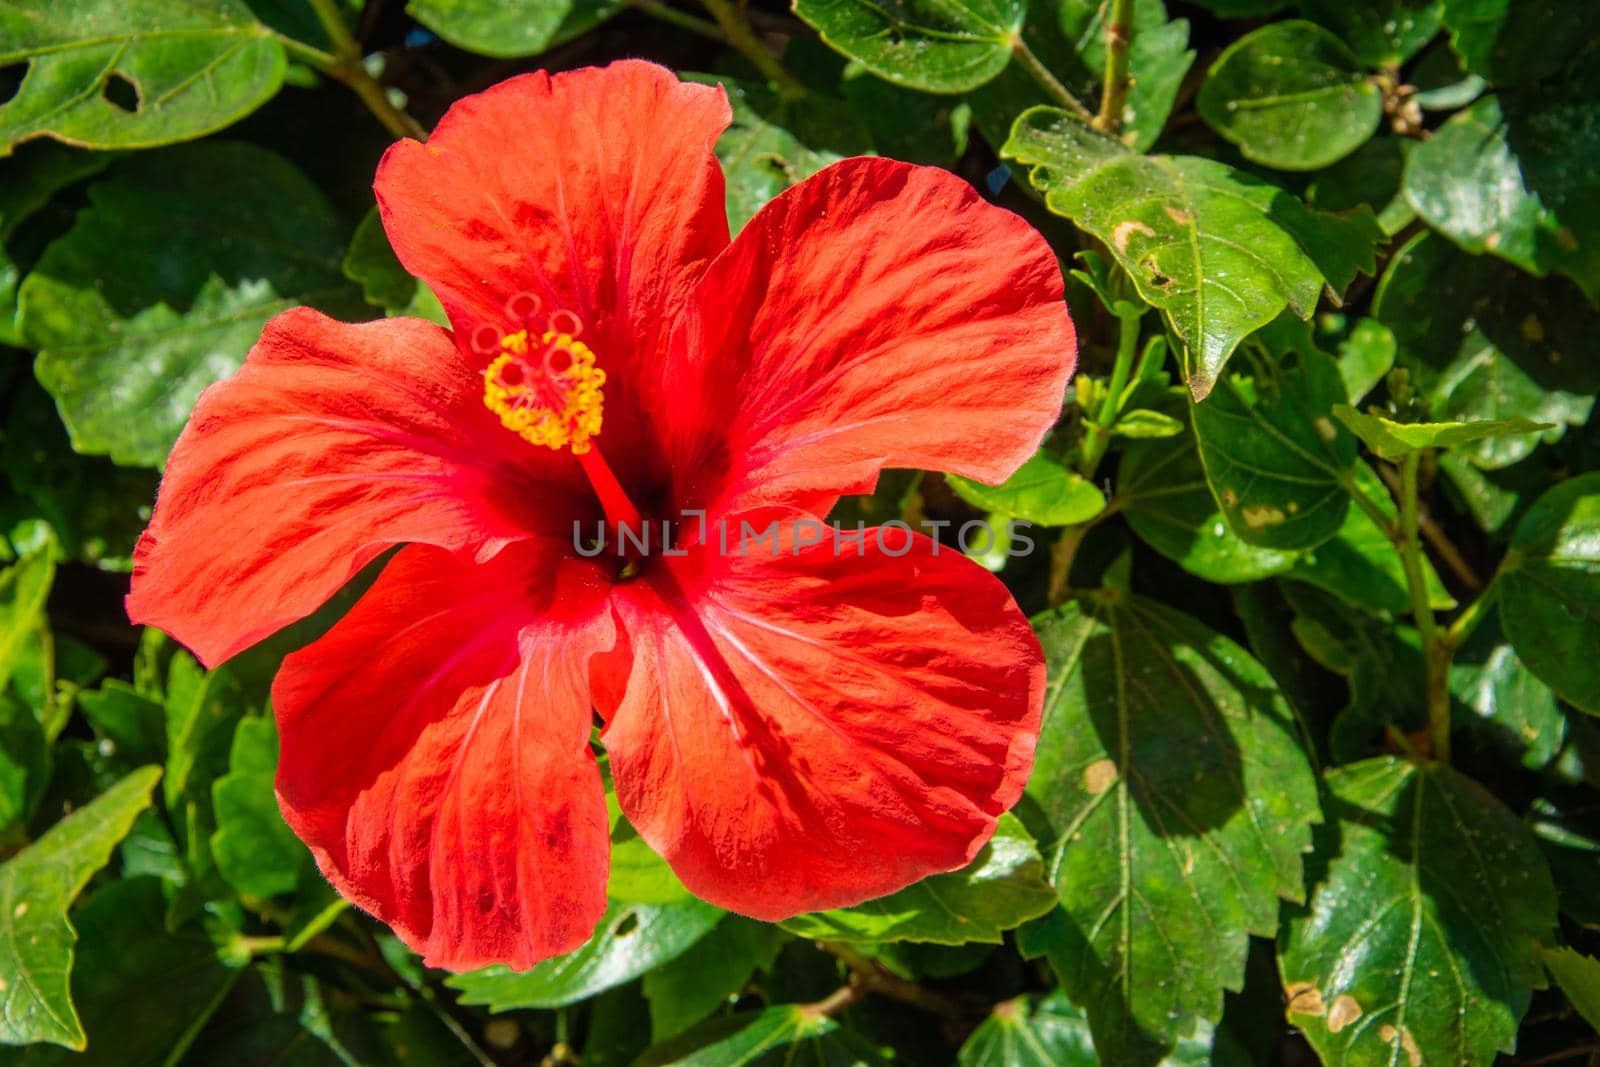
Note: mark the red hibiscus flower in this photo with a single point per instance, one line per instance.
(793, 730)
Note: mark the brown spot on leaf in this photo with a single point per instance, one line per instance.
(1325, 428)
(1177, 216)
(1098, 776)
(1123, 232)
(1304, 999)
(1345, 1010)
(1389, 1036)
(1532, 328)
(1262, 517)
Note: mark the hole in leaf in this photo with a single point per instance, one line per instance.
(629, 923)
(11, 75)
(121, 93)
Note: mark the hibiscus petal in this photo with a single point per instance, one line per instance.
(877, 314)
(436, 754)
(807, 731)
(332, 443)
(594, 190)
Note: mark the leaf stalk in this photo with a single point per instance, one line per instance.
(742, 38)
(1114, 91)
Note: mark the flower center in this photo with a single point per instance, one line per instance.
(546, 387)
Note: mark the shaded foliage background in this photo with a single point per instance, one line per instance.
(1319, 579)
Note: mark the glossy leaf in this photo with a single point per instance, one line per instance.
(1514, 41)
(108, 74)
(1170, 771)
(510, 28)
(1420, 942)
(254, 849)
(1162, 489)
(774, 142)
(1503, 702)
(631, 940)
(1042, 491)
(1379, 32)
(164, 283)
(1274, 457)
(1550, 590)
(27, 182)
(1518, 177)
(36, 888)
(1002, 888)
(1484, 341)
(938, 46)
(1394, 440)
(1291, 96)
(1365, 358)
(683, 991)
(1220, 253)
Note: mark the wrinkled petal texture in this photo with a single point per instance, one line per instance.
(435, 754)
(808, 731)
(877, 314)
(331, 444)
(595, 190)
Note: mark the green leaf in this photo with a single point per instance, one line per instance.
(1365, 358)
(1003, 887)
(1485, 341)
(1144, 423)
(24, 586)
(254, 849)
(164, 282)
(1371, 175)
(202, 708)
(777, 1037)
(131, 723)
(631, 940)
(145, 991)
(1380, 32)
(1512, 41)
(1042, 491)
(36, 887)
(511, 28)
(1162, 490)
(774, 142)
(1420, 943)
(1291, 96)
(27, 182)
(1359, 564)
(1276, 462)
(685, 990)
(1518, 176)
(1579, 978)
(372, 264)
(188, 67)
(1170, 770)
(938, 46)
(1393, 440)
(1048, 1031)
(1502, 701)
(1220, 253)
(638, 873)
(1550, 590)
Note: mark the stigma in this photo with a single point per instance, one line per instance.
(545, 387)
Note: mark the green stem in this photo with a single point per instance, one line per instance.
(344, 65)
(681, 19)
(744, 40)
(1436, 650)
(1052, 85)
(1098, 437)
(1465, 623)
(1114, 92)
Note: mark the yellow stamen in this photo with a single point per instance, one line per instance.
(550, 396)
